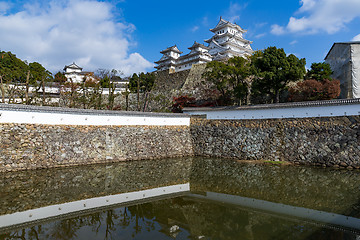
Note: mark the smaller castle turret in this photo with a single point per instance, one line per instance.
(169, 59)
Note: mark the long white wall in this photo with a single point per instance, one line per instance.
(276, 111)
(52, 116)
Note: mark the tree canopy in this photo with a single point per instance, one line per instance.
(274, 70)
(229, 79)
(60, 77)
(145, 81)
(318, 85)
(13, 69)
(38, 73)
(319, 71)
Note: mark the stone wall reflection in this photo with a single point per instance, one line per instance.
(23, 190)
(329, 190)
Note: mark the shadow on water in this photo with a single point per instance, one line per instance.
(227, 200)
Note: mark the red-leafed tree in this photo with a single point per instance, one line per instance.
(317, 86)
(181, 102)
(311, 90)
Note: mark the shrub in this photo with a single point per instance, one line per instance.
(181, 102)
(311, 90)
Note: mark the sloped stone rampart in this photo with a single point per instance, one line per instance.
(165, 81)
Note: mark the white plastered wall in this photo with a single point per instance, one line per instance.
(355, 73)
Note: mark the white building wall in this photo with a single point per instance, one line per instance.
(90, 119)
(355, 73)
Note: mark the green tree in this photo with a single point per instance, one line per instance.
(60, 78)
(217, 73)
(145, 80)
(318, 85)
(230, 79)
(12, 69)
(239, 71)
(133, 83)
(319, 72)
(39, 73)
(274, 70)
(142, 83)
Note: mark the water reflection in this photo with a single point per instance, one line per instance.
(20, 191)
(196, 215)
(195, 220)
(327, 190)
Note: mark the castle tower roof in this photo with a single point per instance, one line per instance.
(72, 66)
(196, 44)
(223, 23)
(171, 49)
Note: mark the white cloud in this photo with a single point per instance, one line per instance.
(356, 38)
(307, 5)
(293, 42)
(205, 21)
(195, 28)
(232, 15)
(260, 35)
(260, 25)
(328, 16)
(76, 30)
(277, 30)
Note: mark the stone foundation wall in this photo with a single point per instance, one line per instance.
(327, 141)
(31, 146)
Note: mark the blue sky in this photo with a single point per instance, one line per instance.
(128, 35)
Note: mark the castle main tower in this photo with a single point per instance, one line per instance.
(228, 41)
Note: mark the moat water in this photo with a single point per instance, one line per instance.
(197, 198)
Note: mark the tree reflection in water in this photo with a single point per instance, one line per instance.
(197, 220)
(289, 185)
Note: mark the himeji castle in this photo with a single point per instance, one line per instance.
(227, 42)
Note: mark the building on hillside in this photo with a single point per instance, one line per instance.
(227, 42)
(344, 60)
(198, 54)
(169, 59)
(75, 73)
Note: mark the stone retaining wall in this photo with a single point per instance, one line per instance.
(324, 141)
(327, 141)
(31, 146)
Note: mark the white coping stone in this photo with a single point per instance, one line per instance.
(276, 113)
(278, 208)
(50, 118)
(87, 204)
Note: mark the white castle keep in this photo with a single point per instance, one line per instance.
(227, 42)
